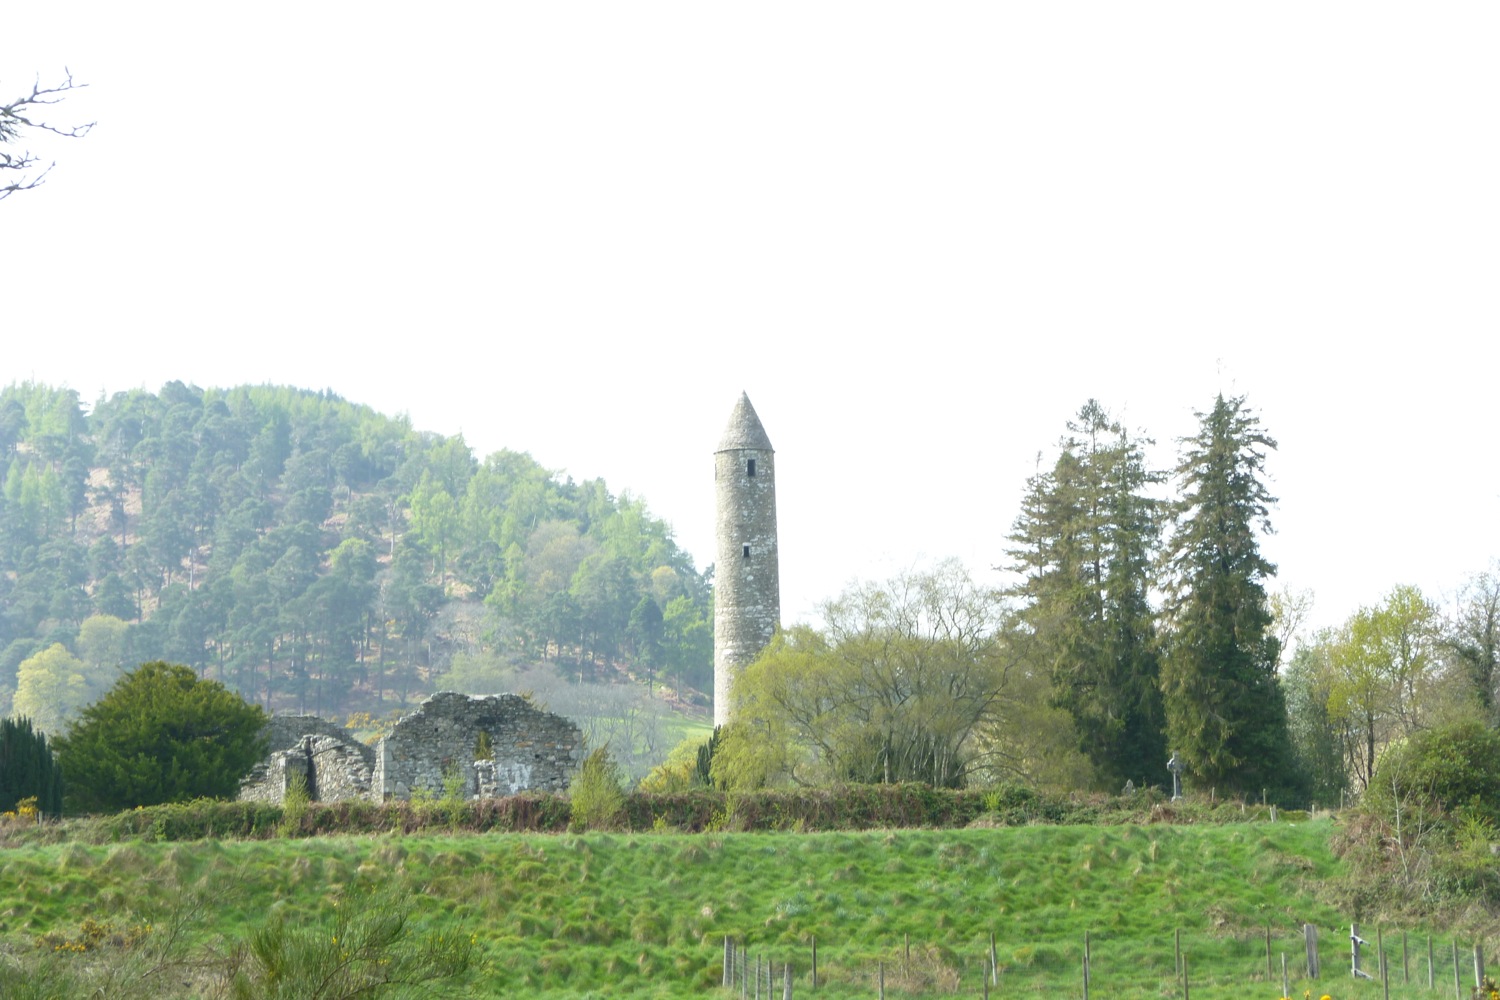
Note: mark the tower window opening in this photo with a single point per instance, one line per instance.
(747, 551)
(750, 468)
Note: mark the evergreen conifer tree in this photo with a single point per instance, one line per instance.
(27, 768)
(160, 735)
(1226, 714)
(1085, 545)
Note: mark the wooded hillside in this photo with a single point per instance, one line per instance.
(313, 554)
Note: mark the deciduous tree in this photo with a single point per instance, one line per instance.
(1383, 666)
(52, 686)
(896, 687)
(1473, 640)
(1317, 743)
(23, 116)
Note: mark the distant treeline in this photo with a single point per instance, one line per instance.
(312, 553)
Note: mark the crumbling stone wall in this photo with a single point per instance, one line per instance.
(531, 749)
(333, 763)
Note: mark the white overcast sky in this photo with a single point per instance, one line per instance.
(919, 235)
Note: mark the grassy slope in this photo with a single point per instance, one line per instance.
(645, 914)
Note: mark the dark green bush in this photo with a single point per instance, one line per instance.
(1452, 769)
(160, 735)
(1424, 828)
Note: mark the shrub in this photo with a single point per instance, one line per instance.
(597, 801)
(160, 735)
(294, 804)
(1424, 829)
(1451, 769)
(368, 951)
(455, 802)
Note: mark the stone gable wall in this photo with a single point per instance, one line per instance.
(533, 749)
(285, 732)
(334, 764)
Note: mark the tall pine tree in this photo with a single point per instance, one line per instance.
(1084, 545)
(1226, 714)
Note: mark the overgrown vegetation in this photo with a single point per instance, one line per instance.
(1425, 833)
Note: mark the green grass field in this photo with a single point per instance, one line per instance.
(646, 914)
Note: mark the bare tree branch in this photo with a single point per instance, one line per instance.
(24, 113)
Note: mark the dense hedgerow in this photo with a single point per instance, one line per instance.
(851, 807)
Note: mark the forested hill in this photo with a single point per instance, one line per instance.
(312, 553)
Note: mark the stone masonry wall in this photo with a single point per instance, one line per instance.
(334, 765)
(532, 749)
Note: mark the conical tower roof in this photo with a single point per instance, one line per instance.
(744, 430)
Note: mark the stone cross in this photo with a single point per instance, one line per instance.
(1175, 766)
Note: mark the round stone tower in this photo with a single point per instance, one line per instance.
(747, 582)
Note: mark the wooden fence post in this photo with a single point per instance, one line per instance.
(1429, 962)
(1268, 954)
(1354, 942)
(1385, 978)
(1478, 965)
(994, 963)
(815, 962)
(728, 961)
(1085, 965)
(880, 969)
(1284, 983)
(1380, 950)
(1310, 939)
(786, 981)
(1458, 989)
(1405, 962)
(1177, 949)
(1184, 978)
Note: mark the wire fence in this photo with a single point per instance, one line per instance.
(1347, 961)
